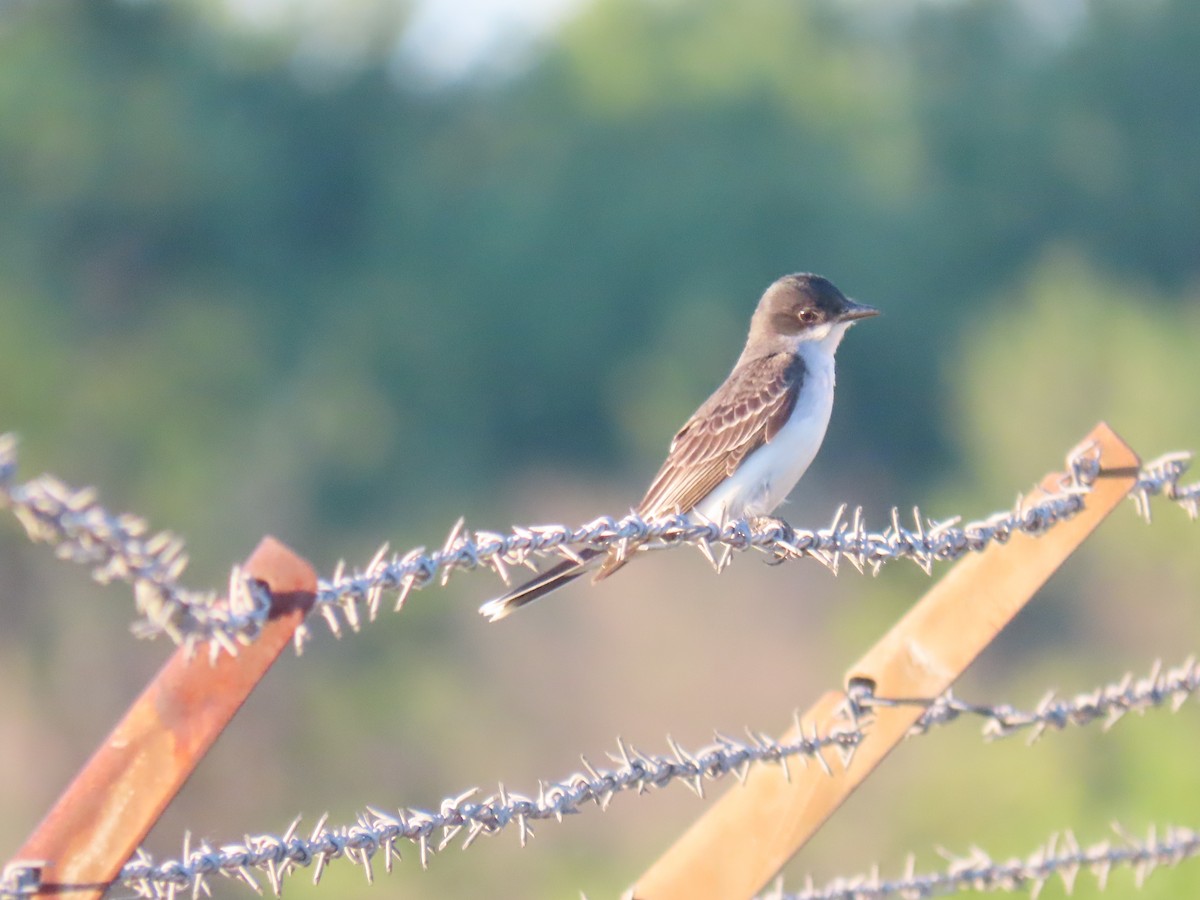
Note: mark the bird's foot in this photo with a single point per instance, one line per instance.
(770, 523)
(784, 534)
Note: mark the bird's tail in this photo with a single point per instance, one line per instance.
(550, 580)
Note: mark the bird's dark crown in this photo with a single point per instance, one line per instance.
(798, 302)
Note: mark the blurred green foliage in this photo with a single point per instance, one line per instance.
(241, 299)
(657, 163)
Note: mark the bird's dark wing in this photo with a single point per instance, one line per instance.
(743, 414)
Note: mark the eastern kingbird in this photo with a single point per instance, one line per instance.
(744, 450)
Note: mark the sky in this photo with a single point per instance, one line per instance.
(443, 40)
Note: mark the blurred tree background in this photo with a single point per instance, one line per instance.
(290, 267)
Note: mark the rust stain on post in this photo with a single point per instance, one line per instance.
(119, 794)
(734, 849)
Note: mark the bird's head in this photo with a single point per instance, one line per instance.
(804, 307)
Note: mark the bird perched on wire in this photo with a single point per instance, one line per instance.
(745, 448)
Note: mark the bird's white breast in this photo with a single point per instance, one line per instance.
(768, 474)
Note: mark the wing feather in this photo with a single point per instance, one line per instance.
(746, 412)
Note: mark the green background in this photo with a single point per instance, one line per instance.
(249, 287)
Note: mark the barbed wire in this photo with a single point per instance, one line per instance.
(118, 548)
(845, 538)
(378, 833)
(1060, 856)
(1110, 703)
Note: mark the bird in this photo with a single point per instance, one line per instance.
(746, 447)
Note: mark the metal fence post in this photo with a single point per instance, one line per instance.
(81, 845)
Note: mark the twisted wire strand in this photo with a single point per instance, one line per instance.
(377, 833)
(119, 547)
(1107, 703)
(1061, 856)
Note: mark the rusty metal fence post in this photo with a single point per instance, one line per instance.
(81, 845)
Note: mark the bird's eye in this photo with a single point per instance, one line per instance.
(809, 316)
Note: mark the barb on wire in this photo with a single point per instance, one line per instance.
(377, 832)
(1061, 856)
(1160, 477)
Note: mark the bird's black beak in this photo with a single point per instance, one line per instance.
(855, 311)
